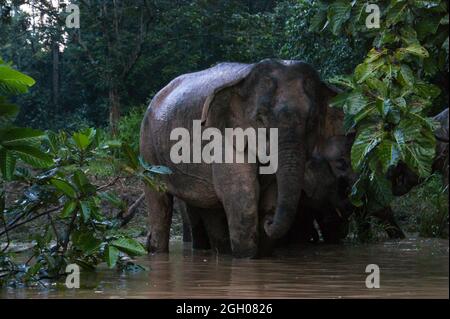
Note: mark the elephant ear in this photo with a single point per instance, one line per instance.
(318, 178)
(230, 75)
(334, 118)
(441, 133)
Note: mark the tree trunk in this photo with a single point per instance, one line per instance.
(55, 74)
(114, 110)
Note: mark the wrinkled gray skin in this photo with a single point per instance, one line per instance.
(324, 199)
(287, 95)
(403, 179)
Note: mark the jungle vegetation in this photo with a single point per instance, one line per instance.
(73, 97)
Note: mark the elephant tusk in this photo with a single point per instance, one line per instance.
(338, 212)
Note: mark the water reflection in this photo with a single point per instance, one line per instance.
(409, 268)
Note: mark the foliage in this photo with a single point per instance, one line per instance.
(178, 37)
(389, 95)
(53, 169)
(428, 217)
(130, 126)
(330, 54)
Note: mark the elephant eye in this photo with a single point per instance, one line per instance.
(341, 164)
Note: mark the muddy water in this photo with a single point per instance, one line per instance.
(410, 268)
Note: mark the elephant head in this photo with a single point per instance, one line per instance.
(288, 96)
(328, 180)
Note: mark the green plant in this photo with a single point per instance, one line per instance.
(53, 170)
(428, 217)
(130, 126)
(388, 96)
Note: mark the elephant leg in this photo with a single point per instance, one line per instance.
(180, 206)
(215, 222)
(267, 245)
(200, 239)
(303, 230)
(238, 188)
(386, 216)
(160, 207)
(187, 236)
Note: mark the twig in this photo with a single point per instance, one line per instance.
(8, 241)
(6, 230)
(132, 210)
(69, 230)
(100, 188)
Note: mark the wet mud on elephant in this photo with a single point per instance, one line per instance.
(287, 95)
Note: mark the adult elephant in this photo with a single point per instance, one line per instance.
(286, 95)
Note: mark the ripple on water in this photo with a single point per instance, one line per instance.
(410, 268)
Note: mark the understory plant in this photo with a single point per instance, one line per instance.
(388, 98)
(51, 169)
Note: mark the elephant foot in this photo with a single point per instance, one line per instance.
(154, 248)
(395, 233)
(247, 251)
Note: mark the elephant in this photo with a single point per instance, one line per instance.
(285, 95)
(324, 199)
(337, 154)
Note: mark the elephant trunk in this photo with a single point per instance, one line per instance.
(289, 182)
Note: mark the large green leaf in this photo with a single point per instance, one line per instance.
(343, 80)
(407, 75)
(69, 208)
(365, 142)
(417, 50)
(396, 12)
(7, 164)
(82, 182)
(87, 242)
(129, 246)
(416, 144)
(111, 256)
(318, 21)
(355, 102)
(365, 70)
(380, 88)
(85, 210)
(380, 192)
(13, 82)
(20, 136)
(338, 13)
(81, 141)
(64, 187)
(427, 90)
(32, 155)
(388, 154)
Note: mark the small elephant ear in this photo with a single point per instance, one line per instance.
(334, 117)
(230, 75)
(329, 91)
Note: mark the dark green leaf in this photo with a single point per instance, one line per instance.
(129, 246)
(64, 187)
